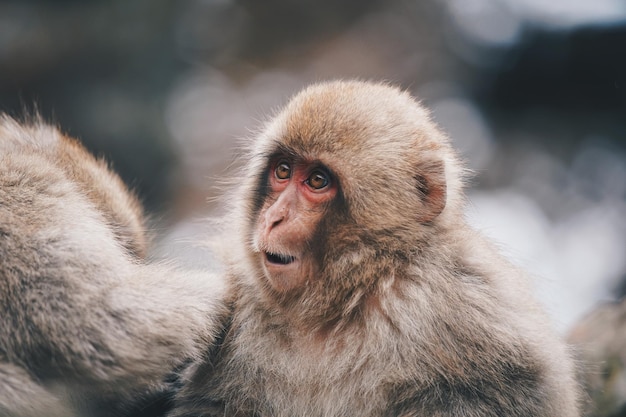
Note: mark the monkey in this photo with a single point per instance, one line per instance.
(356, 286)
(89, 326)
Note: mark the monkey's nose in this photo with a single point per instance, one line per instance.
(281, 209)
(275, 215)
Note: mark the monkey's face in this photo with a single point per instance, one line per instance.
(299, 196)
(346, 169)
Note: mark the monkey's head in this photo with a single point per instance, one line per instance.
(348, 172)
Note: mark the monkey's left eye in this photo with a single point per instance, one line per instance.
(318, 180)
(282, 171)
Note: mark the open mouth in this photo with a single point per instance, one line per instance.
(279, 259)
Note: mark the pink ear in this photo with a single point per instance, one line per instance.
(431, 185)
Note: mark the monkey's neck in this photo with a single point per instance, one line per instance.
(340, 298)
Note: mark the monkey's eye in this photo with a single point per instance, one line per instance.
(318, 180)
(282, 171)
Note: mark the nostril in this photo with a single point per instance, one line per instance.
(276, 222)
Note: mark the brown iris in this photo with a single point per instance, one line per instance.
(318, 180)
(282, 171)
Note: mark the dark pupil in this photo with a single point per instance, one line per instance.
(318, 180)
(283, 171)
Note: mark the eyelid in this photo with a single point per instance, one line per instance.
(321, 169)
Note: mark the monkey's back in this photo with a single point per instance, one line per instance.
(87, 326)
(53, 238)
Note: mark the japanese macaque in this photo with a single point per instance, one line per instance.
(357, 287)
(87, 326)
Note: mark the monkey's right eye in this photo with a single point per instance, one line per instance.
(282, 171)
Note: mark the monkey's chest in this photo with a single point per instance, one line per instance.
(295, 382)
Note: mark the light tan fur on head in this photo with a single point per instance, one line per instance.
(353, 125)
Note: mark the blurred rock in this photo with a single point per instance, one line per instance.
(601, 340)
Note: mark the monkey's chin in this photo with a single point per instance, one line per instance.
(282, 271)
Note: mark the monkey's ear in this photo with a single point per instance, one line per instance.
(430, 181)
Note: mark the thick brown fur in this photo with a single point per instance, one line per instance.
(411, 313)
(86, 324)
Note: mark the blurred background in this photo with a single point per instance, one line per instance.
(532, 92)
